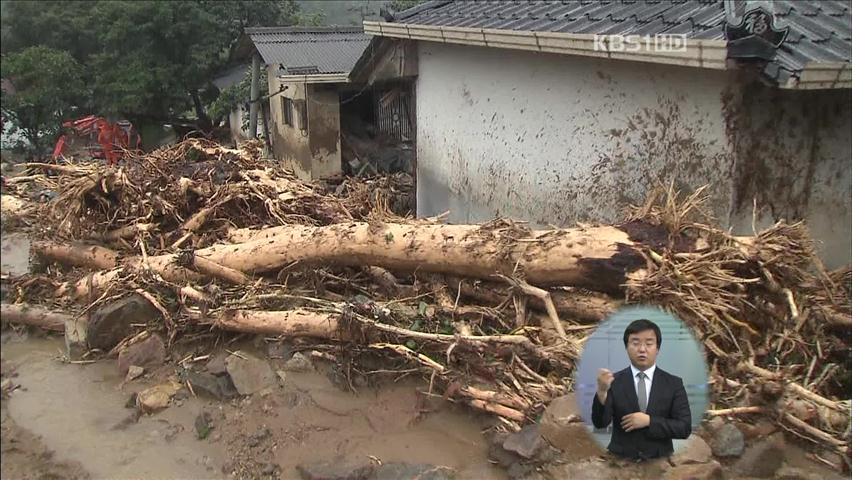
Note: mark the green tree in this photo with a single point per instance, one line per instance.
(143, 59)
(48, 86)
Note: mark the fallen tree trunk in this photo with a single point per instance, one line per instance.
(597, 258)
(34, 316)
(89, 256)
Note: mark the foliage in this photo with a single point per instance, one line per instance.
(48, 86)
(400, 5)
(142, 59)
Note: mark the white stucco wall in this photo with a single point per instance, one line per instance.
(794, 159)
(555, 139)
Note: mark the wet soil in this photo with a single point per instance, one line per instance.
(78, 414)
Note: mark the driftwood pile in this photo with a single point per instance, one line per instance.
(496, 314)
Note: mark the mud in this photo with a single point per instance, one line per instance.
(76, 416)
(14, 253)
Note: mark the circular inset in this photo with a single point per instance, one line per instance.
(642, 351)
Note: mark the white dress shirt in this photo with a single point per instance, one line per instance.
(649, 373)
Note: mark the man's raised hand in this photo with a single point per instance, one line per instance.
(605, 378)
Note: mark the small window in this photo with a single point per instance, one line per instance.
(287, 110)
(302, 108)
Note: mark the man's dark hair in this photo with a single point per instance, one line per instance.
(641, 325)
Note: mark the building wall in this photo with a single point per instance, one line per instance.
(794, 153)
(289, 143)
(324, 130)
(312, 150)
(235, 124)
(555, 139)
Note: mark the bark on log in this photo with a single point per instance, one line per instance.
(89, 256)
(295, 323)
(35, 316)
(216, 270)
(129, 231)
(597, 258)
(582, 307)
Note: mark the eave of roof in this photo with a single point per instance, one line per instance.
(702, 53)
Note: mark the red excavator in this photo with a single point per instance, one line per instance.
(103, 139)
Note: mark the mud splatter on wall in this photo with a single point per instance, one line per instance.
(794, 161)
(556, 139)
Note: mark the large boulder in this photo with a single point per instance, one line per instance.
(696, 450)
(111, 322)
(762, 459)
(562, 427)
(249, 374)
(148, 353)
(728, 441)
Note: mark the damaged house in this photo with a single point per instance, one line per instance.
(557, 112)
(321, 122)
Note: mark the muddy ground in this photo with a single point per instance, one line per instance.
(78, 413)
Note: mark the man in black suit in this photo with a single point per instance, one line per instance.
(649, 406)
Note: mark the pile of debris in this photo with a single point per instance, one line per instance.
(495, 315)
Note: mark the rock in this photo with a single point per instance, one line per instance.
(525, 443)
(75, 338)
(696, 450)
(587, 470)
(111, 322)
(259, 436)
(150, 352)
(282, 375)
(133, 373)
(790, 473)
(249, 374)
(728, 441)
(336, 471)
(520, 470)
(269, 469)
(298, 363)
(279, 350)
(216, 365)
(696, 471)
(219, 387)
(396, 471)
(714, 424)
(762, 459)
(562, 427)
(498, 454)
(762, 429)
(203, 425)
(156, 398)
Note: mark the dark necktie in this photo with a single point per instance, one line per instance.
(643, 396)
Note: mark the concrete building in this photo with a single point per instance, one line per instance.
(308, 81)
(550, 112)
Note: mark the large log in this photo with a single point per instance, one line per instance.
(34, 316)
(597, 258)
(79, 255)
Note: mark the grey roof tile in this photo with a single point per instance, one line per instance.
(819, 31)
(328, 49)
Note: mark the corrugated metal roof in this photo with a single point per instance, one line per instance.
(820, 31)
(317, 49)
